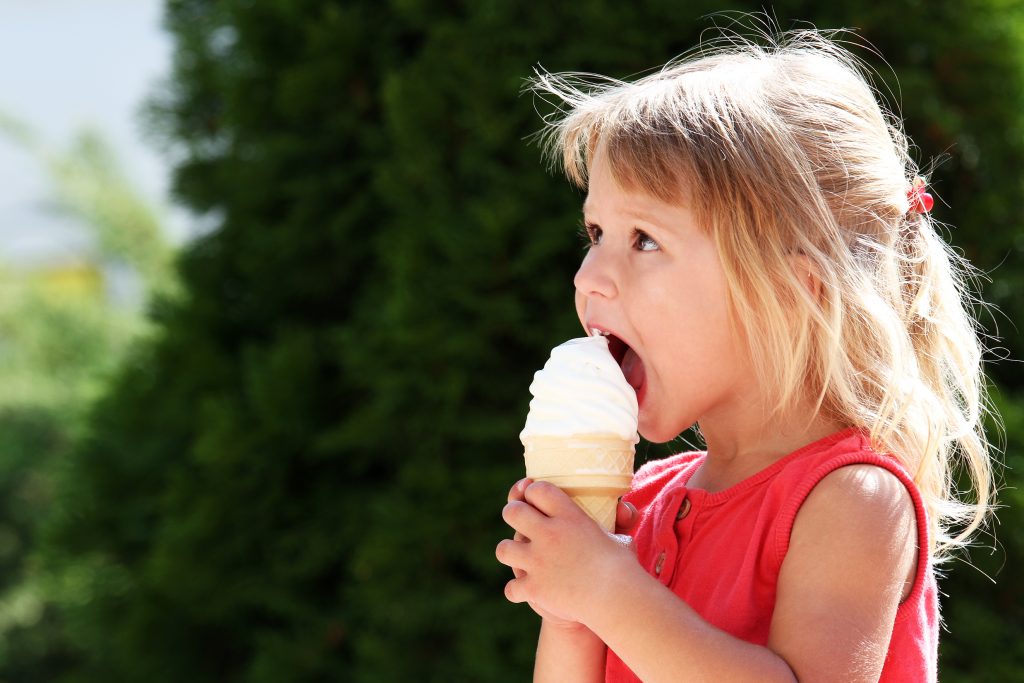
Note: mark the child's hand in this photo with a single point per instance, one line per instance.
(558, 554)
(516, 494)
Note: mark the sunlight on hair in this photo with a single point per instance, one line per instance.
(782, 150)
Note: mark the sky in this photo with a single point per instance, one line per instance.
(66, 65)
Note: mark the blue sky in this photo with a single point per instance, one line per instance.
(65, 65)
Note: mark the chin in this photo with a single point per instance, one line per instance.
(656, 435)
(663, 432)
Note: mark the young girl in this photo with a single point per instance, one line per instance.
(762, 258)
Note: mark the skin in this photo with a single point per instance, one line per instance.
(650, 268)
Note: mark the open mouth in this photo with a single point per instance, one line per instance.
(617, 347)
(629, 362)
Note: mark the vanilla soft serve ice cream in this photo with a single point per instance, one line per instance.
(581, 430)
(581, 390)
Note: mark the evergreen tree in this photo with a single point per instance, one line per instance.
(301, 477)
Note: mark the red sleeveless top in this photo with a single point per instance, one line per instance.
(721, 552)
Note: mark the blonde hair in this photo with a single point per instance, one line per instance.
(783, 149)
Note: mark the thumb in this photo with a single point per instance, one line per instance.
(626, 517)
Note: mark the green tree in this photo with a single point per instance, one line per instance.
(300, 478)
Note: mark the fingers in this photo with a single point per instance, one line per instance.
(626, 517)
(512, 554)
(522, 517)
(546, 497)
(539, 501)
(516, 492)
(550, 500)
(519, 538)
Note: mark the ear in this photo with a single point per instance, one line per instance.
(807, 272)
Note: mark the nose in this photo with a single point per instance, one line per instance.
(596, 277)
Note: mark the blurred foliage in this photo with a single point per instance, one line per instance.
(89, 185)
(61, 336)
(299, 477)
(983, 608)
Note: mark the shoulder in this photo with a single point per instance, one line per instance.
(852, 509)
(861, 500)
(843, 475)
(857, 535)
(864, 510)
(850, 484)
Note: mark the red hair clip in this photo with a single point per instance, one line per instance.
(920, 201)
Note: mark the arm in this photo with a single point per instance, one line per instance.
(852, 548)
(662, 639)
(852, 559)
(567, 650)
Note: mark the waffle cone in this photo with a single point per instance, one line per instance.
(595, 470)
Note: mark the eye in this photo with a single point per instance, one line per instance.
(643, 242)
(591, 234)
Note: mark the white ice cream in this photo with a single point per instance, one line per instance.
(581, 390)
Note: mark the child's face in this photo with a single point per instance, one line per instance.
(653, 280)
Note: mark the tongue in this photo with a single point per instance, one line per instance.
(633, 369)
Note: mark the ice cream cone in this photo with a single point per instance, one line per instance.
(594, 469)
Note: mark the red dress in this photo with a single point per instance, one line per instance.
(721, 552)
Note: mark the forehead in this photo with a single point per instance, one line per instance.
(607, 193)
(639, 210)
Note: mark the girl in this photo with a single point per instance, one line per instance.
(762, 259)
